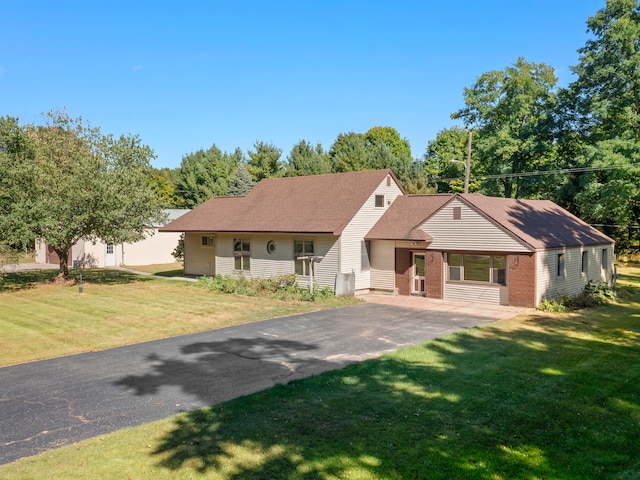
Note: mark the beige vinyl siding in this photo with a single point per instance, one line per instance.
(326, 269)
(281, 261)
(550, 286)
(473, 232)
(358, 227)
(606, 275)
(383, 265)
(224, 253)
(265, 264)
(198, 259)
(472, 293)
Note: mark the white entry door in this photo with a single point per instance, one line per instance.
(110, 257)
(417, 276)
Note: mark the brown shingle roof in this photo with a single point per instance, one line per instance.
(540, 223)
(402, 218)
(311, 204)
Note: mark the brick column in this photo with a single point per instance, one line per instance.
(434, 269)
(522, 280)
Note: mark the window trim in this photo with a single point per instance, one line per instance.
(245, 265)
(204, 241)
(306, 269)
(561, 271)
(494, 273)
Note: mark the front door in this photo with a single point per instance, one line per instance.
(110, 257)
(417, 276)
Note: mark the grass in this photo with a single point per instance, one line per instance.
(161, 269)
(533, 397)
(43, 320)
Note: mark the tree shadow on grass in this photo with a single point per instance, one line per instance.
(545, 400)
(15, 281)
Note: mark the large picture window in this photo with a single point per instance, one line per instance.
(302, 249)
(477, 268)
(241, 254)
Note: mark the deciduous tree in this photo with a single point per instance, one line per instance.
(512, 112)
(65, 181)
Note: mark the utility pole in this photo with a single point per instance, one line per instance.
(467, 167)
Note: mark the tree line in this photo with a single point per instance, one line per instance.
(578, 145)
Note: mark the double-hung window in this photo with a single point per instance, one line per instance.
(241, 254)
(477, 268)
(302, 251)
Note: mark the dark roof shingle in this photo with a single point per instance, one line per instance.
(309, 204)
(540, 223)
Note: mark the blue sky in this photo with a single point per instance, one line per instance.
(185, 75)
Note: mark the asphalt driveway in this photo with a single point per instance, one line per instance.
(48, 404)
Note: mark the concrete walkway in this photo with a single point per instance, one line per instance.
(496, 312)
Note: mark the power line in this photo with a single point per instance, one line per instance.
(539, 173)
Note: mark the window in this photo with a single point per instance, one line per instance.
(605, 261)
(109, 248)
(207, 241)
(365, 248)
(455, 266)
(302, 250)
(241, 254)
(560, 265)
(379, 201)
(457, 213)
(585, 263)
(477, 268)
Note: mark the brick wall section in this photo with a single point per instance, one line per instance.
(403, 271)
(522, 280)
(434, 274)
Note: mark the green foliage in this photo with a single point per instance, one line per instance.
(8, 256)
(178, 252)
(552, 306)
(65, 181)
(349, 153)
(282, 287)
(389, 137)
(264, 162)
(594, 294)
(599, 123)
(606, 94)
(205, 173)
(304, 159)
(163, 183)
(512, 112)
(240, 182)
(445, 158)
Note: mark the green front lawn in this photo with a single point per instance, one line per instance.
(533, 397)
(43, 320)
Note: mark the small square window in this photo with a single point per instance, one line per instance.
(379, 201)
(207, 241)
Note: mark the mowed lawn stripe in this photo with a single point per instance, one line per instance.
(49, 320)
